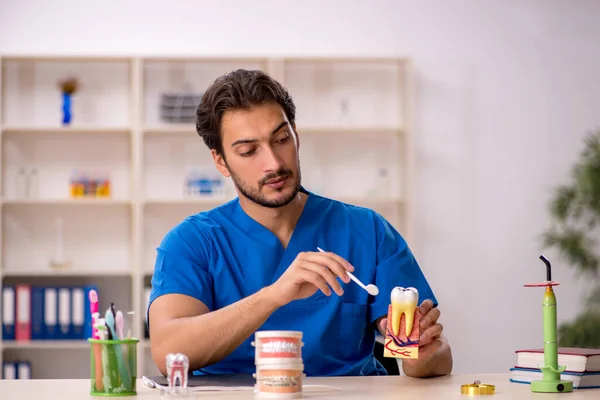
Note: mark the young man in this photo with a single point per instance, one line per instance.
(253, 264)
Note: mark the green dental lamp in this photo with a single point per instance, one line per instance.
(550, 382)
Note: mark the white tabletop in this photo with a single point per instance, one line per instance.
(345, 388)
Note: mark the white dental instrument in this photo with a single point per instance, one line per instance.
(370, 288)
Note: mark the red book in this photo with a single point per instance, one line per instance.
(573, 358)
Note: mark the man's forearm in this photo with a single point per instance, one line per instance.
(439, 364)
(208, 338)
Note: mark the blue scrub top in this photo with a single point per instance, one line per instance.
(222, 256)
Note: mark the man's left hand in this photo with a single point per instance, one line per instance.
(430, 332)
(429, 328)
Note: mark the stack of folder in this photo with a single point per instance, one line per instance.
(16, 370)
(46, 313)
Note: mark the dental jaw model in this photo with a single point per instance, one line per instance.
(402, 333)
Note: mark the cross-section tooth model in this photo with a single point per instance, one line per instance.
(402, 336)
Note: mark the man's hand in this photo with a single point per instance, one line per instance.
(435, 356)
(430, 332)
(310, 272)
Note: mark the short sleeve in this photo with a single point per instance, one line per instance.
(182, 265)
(396, 266)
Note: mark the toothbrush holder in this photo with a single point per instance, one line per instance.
(113, 367)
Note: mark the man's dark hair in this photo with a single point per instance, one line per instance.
(239, 89)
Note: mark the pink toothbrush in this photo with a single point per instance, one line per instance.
(95, 310)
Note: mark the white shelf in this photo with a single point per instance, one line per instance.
(72, 272)
(356, 146)
(171, 129)
(71, 130)
(67, 202)
(56, 344)
(47, 344)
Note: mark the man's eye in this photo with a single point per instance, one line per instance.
(283, 139)
(247, 154)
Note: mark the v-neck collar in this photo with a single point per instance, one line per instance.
(282, 257)
(251, 227)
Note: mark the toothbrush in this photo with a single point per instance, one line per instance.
(95, 311)
(98, 368)
(123, 370)
(120, 324)
(103, 357)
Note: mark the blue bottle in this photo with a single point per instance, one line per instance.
(66, 108)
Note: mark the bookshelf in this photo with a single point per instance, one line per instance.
(353, 118)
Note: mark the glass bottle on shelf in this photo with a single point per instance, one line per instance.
(191, 187)
(21, 183)
(77, 184)
(103, 184)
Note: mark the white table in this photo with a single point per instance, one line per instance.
(349, 388)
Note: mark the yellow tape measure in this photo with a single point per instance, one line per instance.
(477, 389)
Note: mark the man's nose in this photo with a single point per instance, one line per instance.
(272, 161)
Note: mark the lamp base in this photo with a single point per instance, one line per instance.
(552, 386)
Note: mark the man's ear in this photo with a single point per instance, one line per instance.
(220, 163)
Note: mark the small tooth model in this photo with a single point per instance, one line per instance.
(402, 333)
(178, 366)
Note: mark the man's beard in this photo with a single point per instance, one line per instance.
(259, 198)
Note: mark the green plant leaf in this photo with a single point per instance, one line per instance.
(593, 300)
(583, 332)
(562, 203)
(575, 247)
(574, 214)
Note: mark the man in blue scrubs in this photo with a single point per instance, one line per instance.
(252, 263)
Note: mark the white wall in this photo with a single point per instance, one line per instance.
(506, 90)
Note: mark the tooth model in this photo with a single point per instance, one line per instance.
(402, 336)
(177, 376)
(550, 382)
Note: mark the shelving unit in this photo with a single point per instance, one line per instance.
(353, 118)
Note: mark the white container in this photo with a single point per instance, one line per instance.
(279, 378)
(277, 345)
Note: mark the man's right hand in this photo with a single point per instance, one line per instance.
(310, 272)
